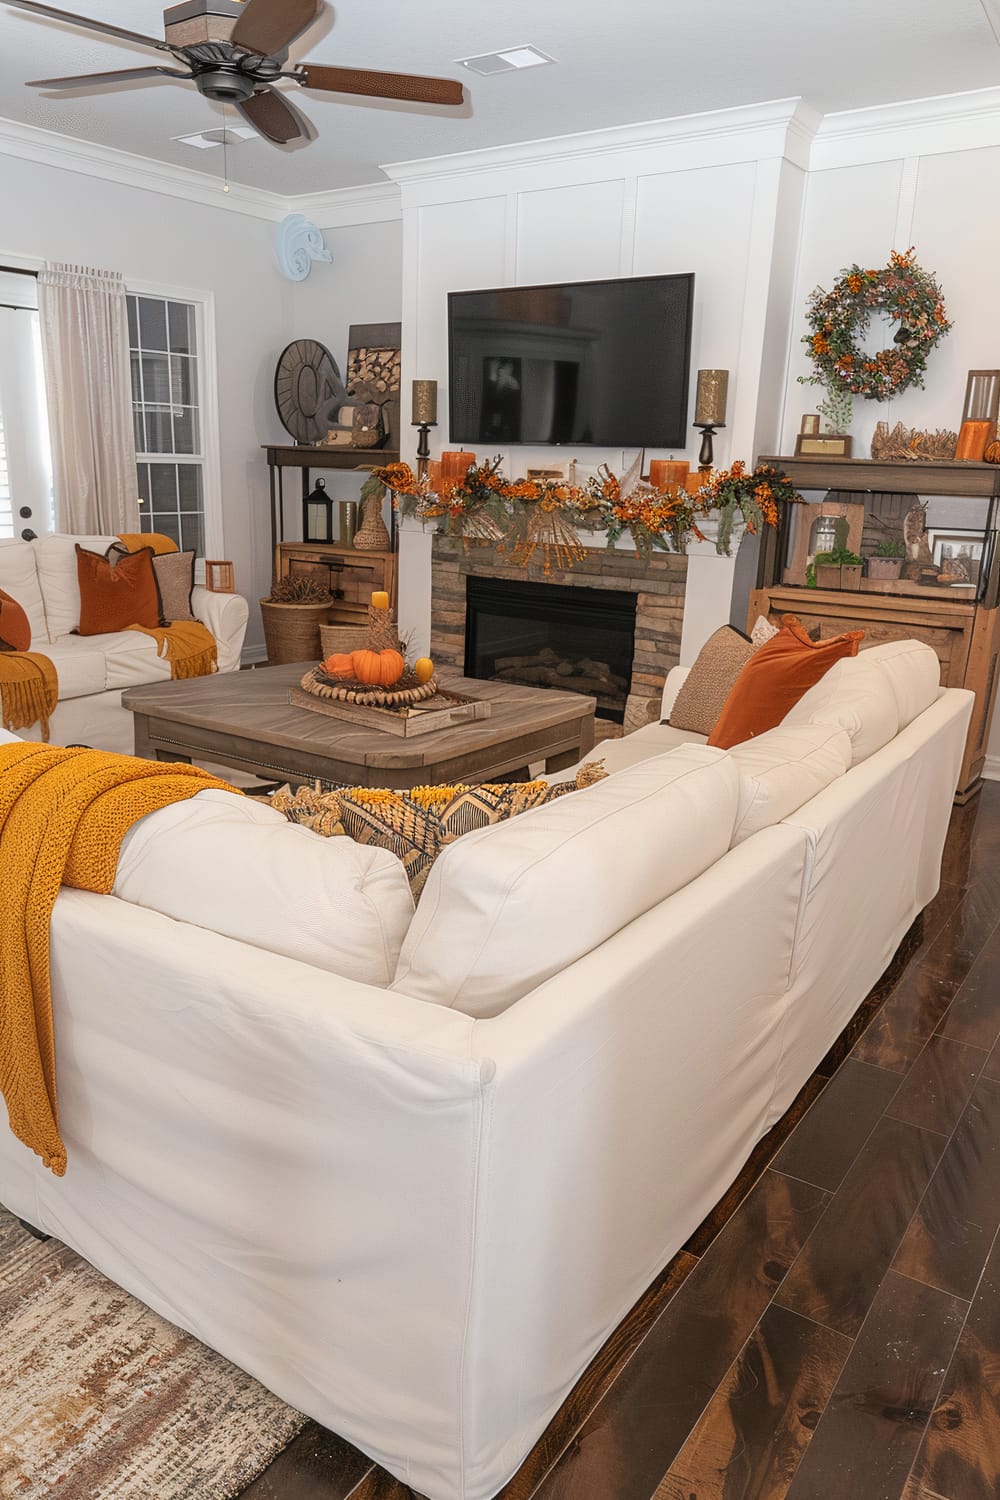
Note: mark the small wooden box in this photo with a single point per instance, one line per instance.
(220, 577)
(440, 712)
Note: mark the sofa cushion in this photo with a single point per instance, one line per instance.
(80, 666)
(130, 658)
(642, 744)
(914, 674)
(782, 769)
(775, 678)
(856, 695)
(19, 578)
(235, 866)
(113, 597)
(704, 691)
(57, 578)
(506, 907)
(15, 627)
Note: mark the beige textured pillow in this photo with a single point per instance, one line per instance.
(174, 573)
(706, 687)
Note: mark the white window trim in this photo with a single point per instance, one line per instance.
(208, 402)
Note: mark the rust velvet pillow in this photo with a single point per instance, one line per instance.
(15, 628)
(775, 678)
(115, 598)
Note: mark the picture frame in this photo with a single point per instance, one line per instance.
(557, 473)
(962, 547)
(823, 445)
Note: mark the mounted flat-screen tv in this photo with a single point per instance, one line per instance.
(598, 362)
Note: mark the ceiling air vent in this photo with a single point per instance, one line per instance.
(507, 61)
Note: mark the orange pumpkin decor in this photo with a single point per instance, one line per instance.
(377, 668)
(992, 453)
(339, 665)
(423, 669)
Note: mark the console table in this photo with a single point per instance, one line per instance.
(963, 631)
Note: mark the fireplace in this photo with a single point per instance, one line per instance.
(650, 591)
(581, 640)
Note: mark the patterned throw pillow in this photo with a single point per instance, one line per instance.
(174, 574)
(762, 632)
(15, 627)
(709, 682)
(417, 825)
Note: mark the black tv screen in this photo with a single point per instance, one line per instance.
(599, 362)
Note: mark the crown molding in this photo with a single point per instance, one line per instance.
(778, 127)
(52, 149)
(914, 127)
(368, 203)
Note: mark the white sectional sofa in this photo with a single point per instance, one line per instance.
(411, 1169)
(93, 670)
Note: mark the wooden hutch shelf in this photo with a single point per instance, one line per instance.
(961, 625)
(305, 459)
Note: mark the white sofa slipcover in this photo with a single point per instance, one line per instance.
(93, 670)
(419, 1226)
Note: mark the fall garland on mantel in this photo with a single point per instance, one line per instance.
(527, 517)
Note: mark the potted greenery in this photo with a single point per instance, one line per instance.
(840, 569)
(292, 614)
(886, 562)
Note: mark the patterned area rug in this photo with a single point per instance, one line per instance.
(100, 1399)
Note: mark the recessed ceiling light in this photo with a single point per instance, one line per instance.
(507, 61)
(233, 135)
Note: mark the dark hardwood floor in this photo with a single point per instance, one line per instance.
(832, 1331)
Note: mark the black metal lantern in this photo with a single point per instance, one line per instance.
(317, 515)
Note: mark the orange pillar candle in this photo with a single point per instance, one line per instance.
(665, 471)
(694, 481)
(434, 474)
(455, 465)
(380, 600)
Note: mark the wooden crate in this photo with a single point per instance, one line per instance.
(352, 576)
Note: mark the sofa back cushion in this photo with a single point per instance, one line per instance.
(913, 672)
(57, 577)
(235, 866)
(19, 578)
(775, 678)
(506, 907)
(781, 770)
(855, 695)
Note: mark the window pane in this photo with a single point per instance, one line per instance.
(189, 486)
(167, 524)
(153, 323)
(192, 534)
(133, 326)
(159, 433)
(142, 479)
(156, 378)
(163, 482)
(185, 430)
(184, 380)
(181, 319)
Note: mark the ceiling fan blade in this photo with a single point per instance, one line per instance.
(269, 26)
(92, 80)
(271, 114)
(89, 23)
(406, 86)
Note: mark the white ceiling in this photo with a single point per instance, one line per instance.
(617, 63)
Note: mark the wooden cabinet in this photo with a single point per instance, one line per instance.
(352, 576)
(961, 625)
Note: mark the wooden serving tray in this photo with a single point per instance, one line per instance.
(439, 712)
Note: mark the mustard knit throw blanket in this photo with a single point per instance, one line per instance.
(29, 690)
(188, 646)
(63, 815)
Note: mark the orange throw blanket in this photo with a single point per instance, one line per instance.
(29, 690)
(188, 646)
(134, 541)
(63, 815)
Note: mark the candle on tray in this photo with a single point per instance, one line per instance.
(710, 403)
(380, 600)
(455, 465)
(666, 471)
(425, 403)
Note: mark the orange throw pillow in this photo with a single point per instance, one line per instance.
(775, 678)
(115, 598)
(15, 627)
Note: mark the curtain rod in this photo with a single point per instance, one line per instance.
(19, 271)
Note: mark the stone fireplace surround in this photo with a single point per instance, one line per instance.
(658, 585)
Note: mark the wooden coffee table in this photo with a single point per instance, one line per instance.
(244, 720)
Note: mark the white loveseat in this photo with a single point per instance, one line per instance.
(93, 670)
(412, 1169)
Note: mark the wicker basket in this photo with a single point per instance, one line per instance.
(292, 630)
(335, 639)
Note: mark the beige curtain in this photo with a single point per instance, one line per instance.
(88, 386)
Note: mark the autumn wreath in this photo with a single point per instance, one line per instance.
(840, 318)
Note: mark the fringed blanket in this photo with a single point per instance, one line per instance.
(63, 815)
(29, 690)
(189, 647)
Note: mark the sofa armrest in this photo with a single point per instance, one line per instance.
(225, 615)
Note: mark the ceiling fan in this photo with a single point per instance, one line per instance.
(233, 52)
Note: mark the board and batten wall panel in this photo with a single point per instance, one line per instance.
(570, 233)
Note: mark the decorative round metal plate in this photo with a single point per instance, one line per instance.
(306, 384)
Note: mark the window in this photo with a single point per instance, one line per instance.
(25, 467)
(166, 402)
